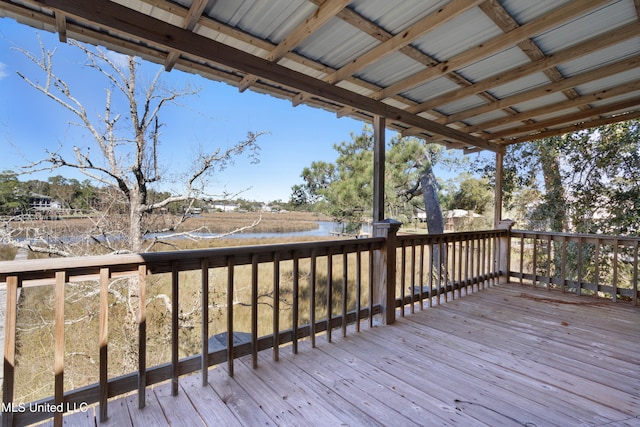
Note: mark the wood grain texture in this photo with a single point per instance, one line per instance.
(508, 355)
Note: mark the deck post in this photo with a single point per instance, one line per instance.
(504, 250)
(384, 271)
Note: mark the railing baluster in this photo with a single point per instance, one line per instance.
(204, 362)
(634, 286)
(371, 285)
(421, 276)
(596, 269)
(312, 297)
(453, 270)
(230, 292)
(403, 263)
(535, 261)
(440, 255)
(295, 302)
(175, 310)
(482, 266)
(329, 291)
(522, 260)
(549, 262)
(479, 263)
(61, 279)
(472, 268)
(103, 342)
(358, 286)
(431, 260)
(413, 276)
(254, 311)
(11, 311)
(276, 306)
(579, 286)
(563, 261)
(460, 262)
(444, 268)
(345, 287)
(142, 335)
(614, 295)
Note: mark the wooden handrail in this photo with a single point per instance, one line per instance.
(442, 266)
(430, 269)
(102, 269)
(601, 266)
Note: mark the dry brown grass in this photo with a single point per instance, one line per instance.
(270, 222)
(216, 222)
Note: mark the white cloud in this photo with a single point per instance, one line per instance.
(3, 70)
(117, 58)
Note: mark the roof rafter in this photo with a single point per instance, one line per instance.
(577, 127)
(189, 23)
(607, 70)
(571, 53)
(322, 15)
(402, 39)
(559, 106)
(139, 25)
(528, 30)
(576, 117)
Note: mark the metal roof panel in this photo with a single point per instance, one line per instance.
(469, 29)
(597, 21)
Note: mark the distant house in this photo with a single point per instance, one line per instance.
(225, 207)
(42, 203)
(455, 219)
(44, 207)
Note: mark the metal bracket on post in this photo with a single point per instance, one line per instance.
(384, 269)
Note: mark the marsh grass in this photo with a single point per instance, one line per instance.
(7, 253)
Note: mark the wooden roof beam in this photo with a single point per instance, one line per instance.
(572, 118)
(577, 127)
(560, 106)
(61, 26)
(139, 25)
(594, 44)
(322, 15)
(188, 23)
(547, 21)
(571, 82)
(402, 39)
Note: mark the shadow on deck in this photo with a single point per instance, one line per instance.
(509, 355)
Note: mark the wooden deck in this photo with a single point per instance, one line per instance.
(508, 355)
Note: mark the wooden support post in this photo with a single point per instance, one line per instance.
(497, 212)
(378, 167)
(504, 252)
(58, 364)
(384, 289)
(142, 335)
(13, 283)
(103, 335)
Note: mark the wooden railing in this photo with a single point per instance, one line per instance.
(348, 263)
(322, 286)
(586, 264)
(434, 268)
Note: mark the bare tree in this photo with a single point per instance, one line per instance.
(127, 158)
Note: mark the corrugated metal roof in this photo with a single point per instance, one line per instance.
(446, 41)
(484, 66)
(599, 21)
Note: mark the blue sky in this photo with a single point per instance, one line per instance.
(218, 116)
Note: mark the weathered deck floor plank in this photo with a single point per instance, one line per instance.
(508, 355)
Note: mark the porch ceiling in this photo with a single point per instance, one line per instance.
(471, 74)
